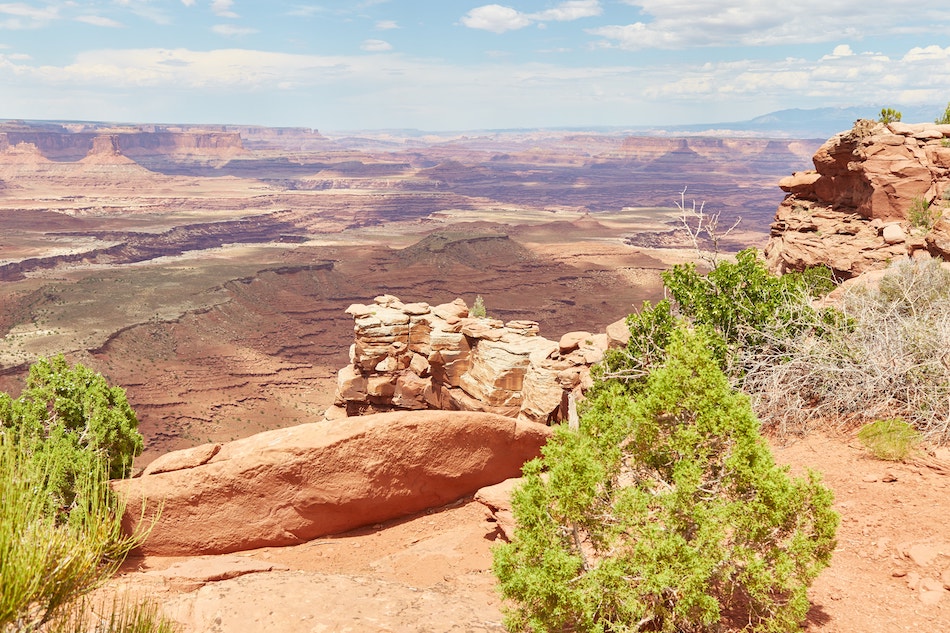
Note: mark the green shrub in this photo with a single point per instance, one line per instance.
(944, 119)
(60, 523)
(478, 308)
(52, 555)
(77, 406)
(737, 299)
(664, 513)
(889, 115)
(650, 331)
(891, 439)
(740, 305)
(921, 214)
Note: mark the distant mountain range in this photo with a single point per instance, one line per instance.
(799, 123)
(816, 123)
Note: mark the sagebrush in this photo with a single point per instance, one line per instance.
(889, 356)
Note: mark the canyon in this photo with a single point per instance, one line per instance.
(207, 269)
(221, 274)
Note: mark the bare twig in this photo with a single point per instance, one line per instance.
(697, 223)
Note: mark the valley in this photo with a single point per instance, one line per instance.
(207, 270)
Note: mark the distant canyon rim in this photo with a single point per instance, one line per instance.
(207, 269)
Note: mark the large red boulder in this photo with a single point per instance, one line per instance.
(291, 485)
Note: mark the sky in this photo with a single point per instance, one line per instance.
(465, 65)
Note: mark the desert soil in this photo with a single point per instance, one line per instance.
(431, 572)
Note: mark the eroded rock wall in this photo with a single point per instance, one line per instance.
(417, 356)
(852, 212)
(71, 147)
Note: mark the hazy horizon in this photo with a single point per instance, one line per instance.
(426, 65)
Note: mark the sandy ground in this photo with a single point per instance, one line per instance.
(431, 572)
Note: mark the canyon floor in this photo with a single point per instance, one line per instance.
(431, 572)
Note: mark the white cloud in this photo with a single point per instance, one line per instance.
(677, 24)
(188, 3)
(97, 20)
(927, 53)
(832, 80)
(570, 10)
(498, 19)
(434, 94)
(386, 25)
(495, 18)
(841, 50)
(230, 30)
(24, 16)
(376, 46)
(222, 8)
(306, 11)
(144, 9)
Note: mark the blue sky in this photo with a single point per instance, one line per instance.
(454, 64)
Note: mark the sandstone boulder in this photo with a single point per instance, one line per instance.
(618, 334)
(572, 340)
(893, 234)
(185, 458)
(498, 368)
(497, 498)
(291, 485)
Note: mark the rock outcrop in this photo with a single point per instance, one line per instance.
(294, 484)
(61, 144)
(416, 356)
(852, 213)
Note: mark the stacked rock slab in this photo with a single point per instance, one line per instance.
(416, 356)
(851, 213)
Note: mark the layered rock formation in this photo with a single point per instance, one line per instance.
(291, 485)
(416, 356)
(852, 213)
(61, 144)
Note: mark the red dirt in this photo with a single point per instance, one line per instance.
(893, 545)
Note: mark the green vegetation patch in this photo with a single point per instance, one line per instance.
(664, 512)
(891, 439)
(61, 530)
(922, 214)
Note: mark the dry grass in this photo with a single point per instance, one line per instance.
(888, 358)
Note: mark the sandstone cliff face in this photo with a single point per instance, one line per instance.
(68, 146)
(415, 356)
(851, 213)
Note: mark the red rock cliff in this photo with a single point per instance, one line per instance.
(73, 146)
(852, 213)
